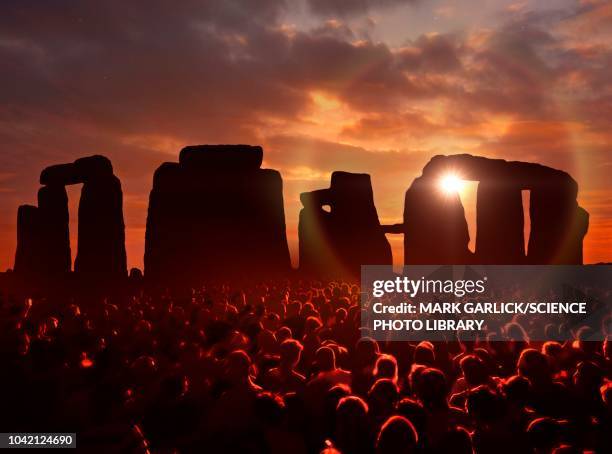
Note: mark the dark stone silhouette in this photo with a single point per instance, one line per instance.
(436, 231)
(222, 157)
(216, 213)
(499, 223)
(54, 252)
(101, 240)
(43, 241)
(337, 242)
(28, 240)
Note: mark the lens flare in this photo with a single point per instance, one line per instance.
(451, 184)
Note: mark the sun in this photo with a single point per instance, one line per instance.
(451, 184)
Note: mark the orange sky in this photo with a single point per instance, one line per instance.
(367, 86)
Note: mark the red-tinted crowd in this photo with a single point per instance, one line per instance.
(284, 368)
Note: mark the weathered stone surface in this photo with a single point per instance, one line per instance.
(101, 240)
(337, 242)
(229, 157)
(215, 214)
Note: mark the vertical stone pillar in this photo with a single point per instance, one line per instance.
(435, 229)
(215, 214)
(338, 242)
(55, 235)
(101, 241)
(558, 226)
(499, 223)
(28, 241)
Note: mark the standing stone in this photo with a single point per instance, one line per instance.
(54, 256)
(338, 242)
(558, 225)
(215, 214)
(435, 229)
(101, 240)
(573, 246)
(101, 248)
(28, 241)
(318, 235)
(499, 223)
(168, 231)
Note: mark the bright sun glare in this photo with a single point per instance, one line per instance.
(451, 184)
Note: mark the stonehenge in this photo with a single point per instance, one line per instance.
(215, 213)
(435, 230)
(337, 242)
(43, 241)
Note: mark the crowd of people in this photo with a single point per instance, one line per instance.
(285, 368)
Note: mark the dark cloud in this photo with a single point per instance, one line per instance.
(439, 53)
(352, 7)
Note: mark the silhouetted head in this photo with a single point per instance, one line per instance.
(352, 424)
(290, 351)
(325, 359)
(588, 377)
(552, 348)
(551, 332)
(312, 325)
(483, 404)
(424, 354)
(474, 370)
(456, 440)
(431, 388)
(516, 332)
(397, 436)
(543, 434)
(143, 370)
(584, 341)
(269, 408)
(517, 389)
(382, 397)
(533, 365)
(237, 366)
(386, 367)
(414, 412)
(341, 315)
(283, 333)
(366, 351)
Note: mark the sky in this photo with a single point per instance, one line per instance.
(375, 86)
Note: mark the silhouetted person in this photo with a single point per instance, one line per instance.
(397, 436)
(285, 378)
